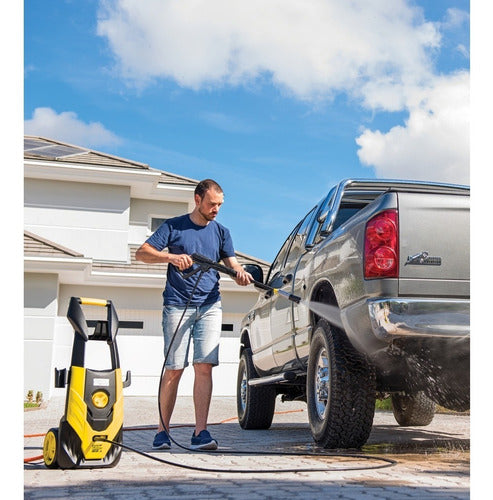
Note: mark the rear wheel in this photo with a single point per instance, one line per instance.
(340, 390)
(50, 446)
(416, 409)
(255, 404)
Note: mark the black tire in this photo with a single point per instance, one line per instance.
(50, 449)
(341, 392)
(255, 404)
(413, 410)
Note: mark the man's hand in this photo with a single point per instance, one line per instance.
(181, 261)
(150, 255)
(242, 277)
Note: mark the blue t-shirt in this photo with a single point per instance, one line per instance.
(181, 235)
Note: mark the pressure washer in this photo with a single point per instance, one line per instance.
(94, 398)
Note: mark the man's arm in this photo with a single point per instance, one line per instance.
(242, 277)
(150, 255)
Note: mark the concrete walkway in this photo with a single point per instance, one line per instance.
(431, 462)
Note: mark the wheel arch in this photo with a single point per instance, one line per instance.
(244, 341)
(324, 293)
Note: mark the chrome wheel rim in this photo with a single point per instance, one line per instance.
(243, 390)
(321, 383)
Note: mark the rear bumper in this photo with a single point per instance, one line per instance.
(406, 317)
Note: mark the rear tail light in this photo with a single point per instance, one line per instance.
(382, 246)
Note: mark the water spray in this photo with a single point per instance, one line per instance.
(327, 311)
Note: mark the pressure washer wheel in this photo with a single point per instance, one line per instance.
(50, 446)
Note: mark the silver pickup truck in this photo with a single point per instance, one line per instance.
(382, 271)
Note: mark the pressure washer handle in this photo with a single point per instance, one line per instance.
(206, 264)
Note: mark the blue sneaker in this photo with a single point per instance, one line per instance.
(203, 441)
(161, 441)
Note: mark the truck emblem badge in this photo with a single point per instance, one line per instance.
(423, 259)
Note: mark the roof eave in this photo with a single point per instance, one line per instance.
(147, 184)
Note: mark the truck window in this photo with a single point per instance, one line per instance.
(314, 236)
(298, 241)
(345, 212)
(295, 238)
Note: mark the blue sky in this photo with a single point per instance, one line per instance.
(277, 100)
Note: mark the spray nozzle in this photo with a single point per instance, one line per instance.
(289, 296)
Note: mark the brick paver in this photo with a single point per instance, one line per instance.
(432, 461)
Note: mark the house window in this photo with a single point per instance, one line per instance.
(227, 327)
(156, 222)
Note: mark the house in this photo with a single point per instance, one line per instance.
(85, 214)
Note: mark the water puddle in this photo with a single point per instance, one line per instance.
(419, 448)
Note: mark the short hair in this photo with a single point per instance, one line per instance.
(205, 185)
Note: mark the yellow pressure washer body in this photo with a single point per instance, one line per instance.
(94, 398)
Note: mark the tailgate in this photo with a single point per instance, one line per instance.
(434, 244)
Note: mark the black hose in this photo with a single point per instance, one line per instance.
(388, 462)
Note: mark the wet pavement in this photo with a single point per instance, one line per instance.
(397, 462)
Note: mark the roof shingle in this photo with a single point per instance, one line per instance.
(35, 245)
(41, 148)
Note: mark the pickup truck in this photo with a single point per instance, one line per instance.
(381, 268)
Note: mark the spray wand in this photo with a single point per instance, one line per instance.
(205, 264)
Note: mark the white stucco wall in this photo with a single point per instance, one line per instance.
(40, 313)
(89, 218)
(141, 212)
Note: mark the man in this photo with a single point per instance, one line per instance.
(197, 232)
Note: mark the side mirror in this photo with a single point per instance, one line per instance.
(255, 270)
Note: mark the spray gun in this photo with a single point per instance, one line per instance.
(205, 264)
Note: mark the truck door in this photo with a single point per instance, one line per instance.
(281, 314)
(304, 268)
(263, 337)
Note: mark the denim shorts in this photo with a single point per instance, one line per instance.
(202, 325)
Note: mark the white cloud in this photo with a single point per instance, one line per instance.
(310, 48)
(67, 127)
(455, 18)
(434, 142)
